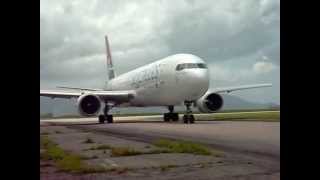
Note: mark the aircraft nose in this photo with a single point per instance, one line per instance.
(195, 80)
(199, 77)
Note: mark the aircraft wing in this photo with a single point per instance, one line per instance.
(114, 96)
(235, 88)
(82, 89)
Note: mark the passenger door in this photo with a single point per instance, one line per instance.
(163, 74)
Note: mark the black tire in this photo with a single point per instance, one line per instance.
(175, 117)
(110, 118)
(166, 117)
(186, 119)
(191, 120)
(101, 119)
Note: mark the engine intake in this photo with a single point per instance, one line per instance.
(210, 103)
(88, 105)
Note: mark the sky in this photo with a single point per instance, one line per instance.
(239, 40)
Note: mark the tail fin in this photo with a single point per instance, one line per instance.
(111, 73)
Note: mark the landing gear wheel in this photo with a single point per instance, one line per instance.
(166, 117)
(191, 120)
(109, 118)
(170, 116)
(185, 119)
(188, 118)
(101, 119)
(175, 117)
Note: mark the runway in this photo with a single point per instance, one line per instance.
(251, 137)
(151, 118)
(242, 141)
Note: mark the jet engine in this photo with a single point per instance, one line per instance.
(209, 103)
(88, 105)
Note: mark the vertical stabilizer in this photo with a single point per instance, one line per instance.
(111, 74)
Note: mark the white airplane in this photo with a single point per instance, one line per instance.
(168, 82)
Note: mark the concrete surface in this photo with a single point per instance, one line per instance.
(252, 148)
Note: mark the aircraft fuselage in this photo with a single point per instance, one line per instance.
(169, 81)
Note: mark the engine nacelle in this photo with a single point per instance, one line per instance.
(88, 105)
(210, 103)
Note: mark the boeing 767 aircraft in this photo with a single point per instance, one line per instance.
(168, 82)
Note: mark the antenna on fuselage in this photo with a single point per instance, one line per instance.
(110, 69)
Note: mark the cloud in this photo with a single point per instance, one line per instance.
(263, 67)
(231, 36)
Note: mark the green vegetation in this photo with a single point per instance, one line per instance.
(158, 151)
(124, 151)
(272, 116)
(65, 161)
(185, 147)
(166, 146)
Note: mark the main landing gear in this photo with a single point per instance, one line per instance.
(171, 115)
(105, 117)
(188, 117)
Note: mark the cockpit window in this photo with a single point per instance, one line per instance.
(190, 66)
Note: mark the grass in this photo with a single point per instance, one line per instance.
(252, 116)
(65, 161)
(158, 151)
(166, 146)
(124, 151)
(185, 147)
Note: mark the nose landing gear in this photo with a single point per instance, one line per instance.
(188, 117)
(171, 115)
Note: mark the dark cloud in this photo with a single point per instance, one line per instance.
(232, 36)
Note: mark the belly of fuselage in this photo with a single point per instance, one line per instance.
(172, 91)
